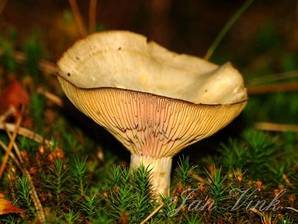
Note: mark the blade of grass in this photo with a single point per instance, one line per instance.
(227, 27)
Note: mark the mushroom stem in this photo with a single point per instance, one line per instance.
(160, 171)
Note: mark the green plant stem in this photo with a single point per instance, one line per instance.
(227, 27)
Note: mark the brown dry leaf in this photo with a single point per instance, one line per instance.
(14, 95)
(6, 207)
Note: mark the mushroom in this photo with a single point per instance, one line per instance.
(154, 101)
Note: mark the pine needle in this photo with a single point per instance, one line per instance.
(268, 126)
(152, 213)
(2, 144)
(10, 145)
(15, 146)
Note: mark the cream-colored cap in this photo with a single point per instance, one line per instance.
(122, 59)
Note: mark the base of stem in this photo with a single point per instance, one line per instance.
(160, 171)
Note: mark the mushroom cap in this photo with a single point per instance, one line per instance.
(122, 59)
(153, 101)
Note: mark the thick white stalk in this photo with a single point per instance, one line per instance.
(160, 171)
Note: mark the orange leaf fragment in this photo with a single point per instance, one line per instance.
(6, 207)
(14, 95)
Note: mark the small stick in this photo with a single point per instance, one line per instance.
(48, 67)
(281, 87)
(15, 146)
(152, 213)
(267, 126)
(52, 97)
(78, 17)
(25, 132)
(92, 15)
(10, 145)
(227, 27)
(11, 155)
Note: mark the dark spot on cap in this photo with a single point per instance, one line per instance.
(206, 90)
(68, 74)
(119, 48)
(77, 58)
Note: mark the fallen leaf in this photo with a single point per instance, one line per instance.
(14, 95)
(6, 207)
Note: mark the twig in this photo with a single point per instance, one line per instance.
(11, 155)
(78, 17)
(50, 96)
(10, 145)
(267, 126)
(45, 66)
(92, 15)
(281, 87)
(15, 146)
(227, 27)
(25, 132)
(152, 213)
